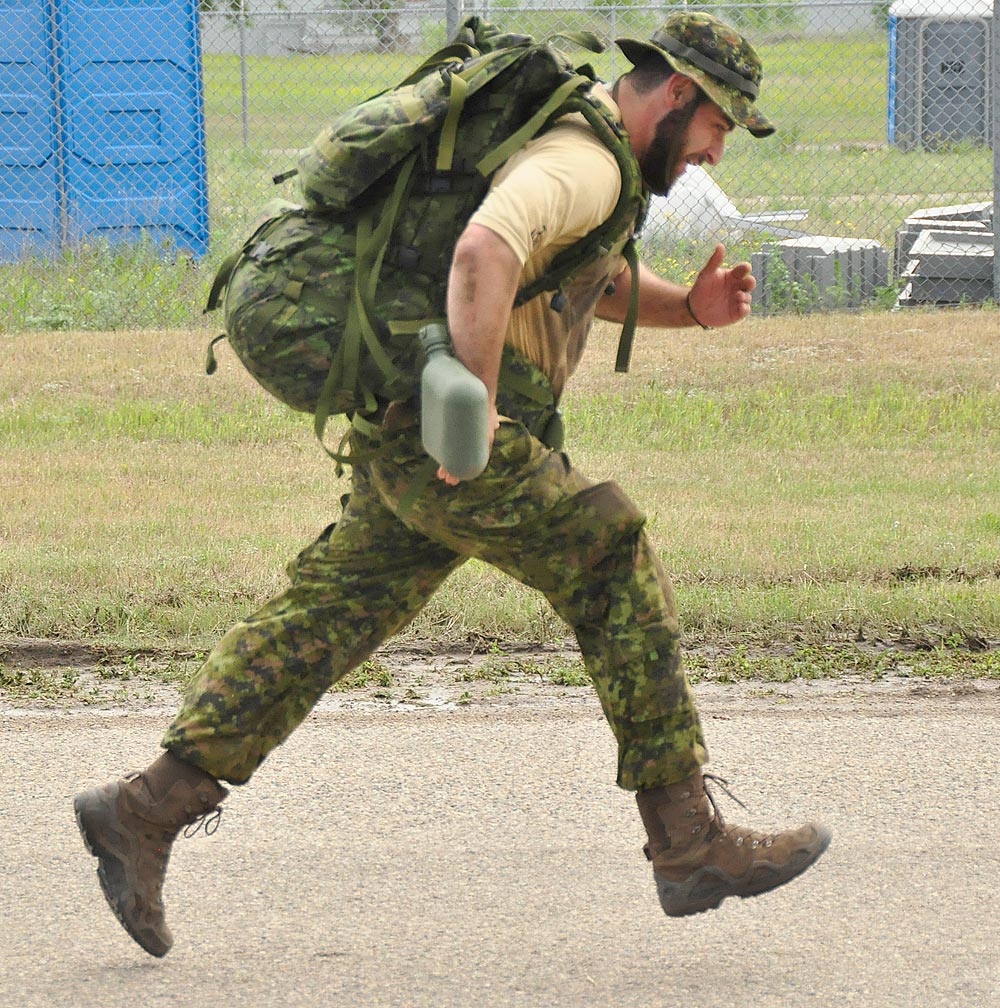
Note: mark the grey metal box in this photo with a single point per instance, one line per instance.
(939, 73)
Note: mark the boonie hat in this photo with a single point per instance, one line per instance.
(715, 56)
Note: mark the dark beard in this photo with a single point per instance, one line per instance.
(662, 158)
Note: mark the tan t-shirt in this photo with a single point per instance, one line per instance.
(552, 192)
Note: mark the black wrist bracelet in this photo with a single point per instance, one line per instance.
(687, 301)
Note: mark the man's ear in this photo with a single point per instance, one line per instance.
(679, 90)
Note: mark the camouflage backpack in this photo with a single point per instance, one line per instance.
(323, 302)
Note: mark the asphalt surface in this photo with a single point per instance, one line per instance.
(481, 856)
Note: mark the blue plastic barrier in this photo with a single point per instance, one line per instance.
(30, 196)
(118, 85)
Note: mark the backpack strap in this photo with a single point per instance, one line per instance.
(632, 313)
(451, 55)
(629, 211)
(487, 165)
(449, 130)
(211, 364)
(359, 327)
(222, 278)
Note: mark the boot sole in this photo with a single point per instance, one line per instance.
(708, 887)
(90, 818)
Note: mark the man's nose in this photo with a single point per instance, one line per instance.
(715, 151)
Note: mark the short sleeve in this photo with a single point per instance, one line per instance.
(554, 191)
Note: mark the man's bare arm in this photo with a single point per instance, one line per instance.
(481, 288)
(719, 296)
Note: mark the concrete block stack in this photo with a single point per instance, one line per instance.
(944, 255)
(817, 273)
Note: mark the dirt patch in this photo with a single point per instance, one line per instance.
(417, 676)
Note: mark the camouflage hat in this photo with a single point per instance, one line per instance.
(715, 56)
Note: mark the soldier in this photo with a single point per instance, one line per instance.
(530, 514)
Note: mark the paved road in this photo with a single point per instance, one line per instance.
(481, 857)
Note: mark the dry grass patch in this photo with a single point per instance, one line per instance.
(939, 350)
(791, 469)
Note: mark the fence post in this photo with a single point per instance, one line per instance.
(613, 32)
(244, 88)
(453, 14)
(995, 137)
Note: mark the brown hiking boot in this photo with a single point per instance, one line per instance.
(698, 860)
(129, 825)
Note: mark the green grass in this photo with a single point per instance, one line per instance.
(814, 482)
(148, 419)
(824, 491)
(102, 287)
(370, 673)
(786, 416)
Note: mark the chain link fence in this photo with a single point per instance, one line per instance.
(137, 143)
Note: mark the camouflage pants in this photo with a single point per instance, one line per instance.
(532, 516)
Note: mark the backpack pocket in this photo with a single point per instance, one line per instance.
(286, 304)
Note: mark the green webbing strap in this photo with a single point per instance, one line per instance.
(520, 137)
(268, 312)
(370, 248)
(458, 52)
(340, 456)
(523, 386)
(380, 238)
(374, 254)
(632, 313)
(323, 403)
(296, 280)
(349, 350)
(456, 102)
(211, 364)
(222, 278)
(344, 366)
(358, 423)
(503, 53)
(410, 327)
(365, 426)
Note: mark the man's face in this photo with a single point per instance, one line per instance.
(694, 133)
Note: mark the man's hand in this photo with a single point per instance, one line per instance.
(721, 296)
(494, 424)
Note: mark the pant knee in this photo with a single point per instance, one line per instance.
(592, 550)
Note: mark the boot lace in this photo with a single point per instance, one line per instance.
(723, 785)
(737, 834)
(207, 822)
